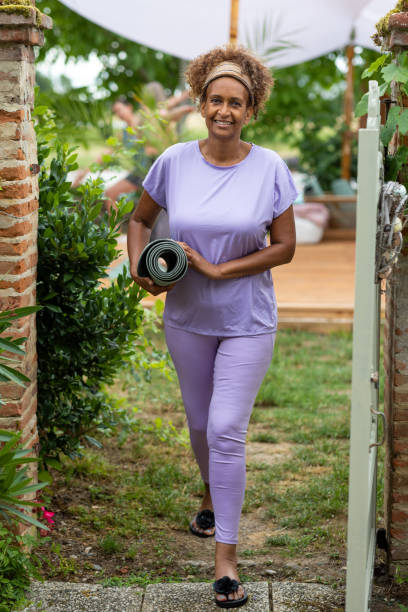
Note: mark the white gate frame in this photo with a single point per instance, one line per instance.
(361, 540)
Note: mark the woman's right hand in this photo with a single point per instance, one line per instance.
(146, 283)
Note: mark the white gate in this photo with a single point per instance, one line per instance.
(361, 541)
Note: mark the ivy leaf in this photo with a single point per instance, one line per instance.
(403, 122)
(44, 476)
(394, 72)
(379, 62)
(362, 106)
(389, 128)
(403, 59)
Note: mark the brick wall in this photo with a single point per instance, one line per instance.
(18, 207)
(396, 375)
(396, 410)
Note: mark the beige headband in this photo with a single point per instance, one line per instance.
(232, 70)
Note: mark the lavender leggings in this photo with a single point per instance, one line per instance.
(219, 379)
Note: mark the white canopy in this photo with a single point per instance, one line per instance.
(186, 28)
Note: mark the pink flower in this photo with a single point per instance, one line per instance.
(47, 515)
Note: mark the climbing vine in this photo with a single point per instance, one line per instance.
(391, 71)
(387, 69)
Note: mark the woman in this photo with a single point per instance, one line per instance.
(222, 196)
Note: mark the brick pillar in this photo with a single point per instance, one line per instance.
(396, 367)
(20, 31)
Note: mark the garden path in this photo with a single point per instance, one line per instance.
(180, 597)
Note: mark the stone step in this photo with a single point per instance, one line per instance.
(199, 597)
(180, 597)
(306, 597)
(76, 597)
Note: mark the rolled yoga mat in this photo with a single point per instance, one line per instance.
(164, 261)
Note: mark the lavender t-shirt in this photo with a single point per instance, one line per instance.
(224, 213)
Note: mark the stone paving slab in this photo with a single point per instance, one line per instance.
(305, 597)
(75, 597)
(199, 597)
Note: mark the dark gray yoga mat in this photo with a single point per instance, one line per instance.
(171, 269)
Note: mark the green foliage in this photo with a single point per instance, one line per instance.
(305, 112)
(8, 372)
(110, 544)
(16, 567)
(125, 63)
(389, 68)
(79, 116)
(305, 109)
(85, 331)
(268, 28)
(14, 481)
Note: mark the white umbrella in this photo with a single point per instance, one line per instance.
(282, 32)
(185, 28)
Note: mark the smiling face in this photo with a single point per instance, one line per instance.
(226, 108)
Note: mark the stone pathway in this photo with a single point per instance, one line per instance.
(180, 597)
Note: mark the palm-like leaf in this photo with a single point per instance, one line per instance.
(156, 131)
(14, 481)
(268, 40)
(9, 345)
(75, 112)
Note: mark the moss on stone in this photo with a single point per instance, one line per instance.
(382, 27)
(21, 7)
(17, 3)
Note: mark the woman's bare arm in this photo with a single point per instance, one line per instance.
(177, 99)
(139, 231)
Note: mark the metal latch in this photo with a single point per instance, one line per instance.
(382, 415)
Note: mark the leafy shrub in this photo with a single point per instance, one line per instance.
(16, 568)
(86, 331)
(14, 481)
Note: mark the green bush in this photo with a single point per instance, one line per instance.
(86, 332)
(14, 481)
(16, 568)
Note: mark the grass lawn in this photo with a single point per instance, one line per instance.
(122, 512)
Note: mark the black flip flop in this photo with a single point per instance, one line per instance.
(205, 520)
(226, 586)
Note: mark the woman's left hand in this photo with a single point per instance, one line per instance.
(199, 263)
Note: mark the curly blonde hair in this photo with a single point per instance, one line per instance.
(260, 76)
